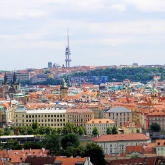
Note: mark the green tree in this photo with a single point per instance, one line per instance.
(7, 131)
(71, 151)
(137, 131)
(35, 125)
(155, 127)
(96, 154)
(59, 131)
(95, 131)
(32, 145)
(30, 131)
(81, 131)
(1, 132)
(48, 130)
(68, 128)
(114, 130)
(41, 130)
(109, 131)
(12, 144)
(70, 140)
(23, 130)
(52, 143)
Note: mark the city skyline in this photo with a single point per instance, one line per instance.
(102, 32)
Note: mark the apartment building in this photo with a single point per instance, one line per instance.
(53, 117)
(45, 117)
(120, 115)
(79, 117)
(101, 124)
(131, 127)
(116, 144)
(154, 116)
(160, 147)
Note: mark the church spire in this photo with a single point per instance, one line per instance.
(14, 78)
(5, 78)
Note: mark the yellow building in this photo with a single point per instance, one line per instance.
(44, 117)
(131, 127)
(79, 116)
(101, 124)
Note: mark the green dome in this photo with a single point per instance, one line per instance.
(154, 90)
(1, 108)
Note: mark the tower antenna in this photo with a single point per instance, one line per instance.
(67, 52)
(68, 36)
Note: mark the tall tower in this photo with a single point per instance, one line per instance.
(67, 53)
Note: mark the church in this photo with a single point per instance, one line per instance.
(9, 89)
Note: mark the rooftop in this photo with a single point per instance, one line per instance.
(121, 137)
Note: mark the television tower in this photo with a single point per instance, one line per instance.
(67, 52)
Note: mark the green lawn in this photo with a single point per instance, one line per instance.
(83, 143)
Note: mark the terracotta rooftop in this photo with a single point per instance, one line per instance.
(160, 143)
(102, 121)
(40, 160)
(69, 161)
(121, 137)
(79, 111)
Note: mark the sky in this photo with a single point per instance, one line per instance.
(102, 32)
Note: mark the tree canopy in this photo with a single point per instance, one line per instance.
(96, 154)
(109, 130)
(70, 140)
(155, 127)
(95, 131)
(141, 74)
(114, 130)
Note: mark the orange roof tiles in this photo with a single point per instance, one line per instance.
(69, 161)
(119, 137)
(79, 111)
(102, 121)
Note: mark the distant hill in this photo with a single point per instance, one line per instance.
(134, 74)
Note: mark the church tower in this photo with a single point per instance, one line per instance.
(5, 87)
(63, 90)
(154, 96)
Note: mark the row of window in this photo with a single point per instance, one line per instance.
(32, 116)
(58, 125)
(44, 120)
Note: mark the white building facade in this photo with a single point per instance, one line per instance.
(116, 144)
(101, 124)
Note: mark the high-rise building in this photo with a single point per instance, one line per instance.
(49, 65)
(67, 53)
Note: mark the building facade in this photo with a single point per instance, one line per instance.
(120, 115)
(116, 144)
(101, 124)
(131, 127)
(44, 117)
(79, 117)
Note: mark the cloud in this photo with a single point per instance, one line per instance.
(147, 5)
(119, 7)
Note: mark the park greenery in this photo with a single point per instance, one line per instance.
(66, 145)
(35, 129)
(119, 74)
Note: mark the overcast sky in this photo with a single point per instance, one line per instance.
(102, 32)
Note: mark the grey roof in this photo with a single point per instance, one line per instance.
(118, 110)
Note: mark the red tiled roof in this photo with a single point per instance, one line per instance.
(69, 161)
(130, 149)
(40, 160)
(119, 137)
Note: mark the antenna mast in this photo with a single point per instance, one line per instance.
(67, 52)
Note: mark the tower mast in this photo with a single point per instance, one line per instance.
(67, 52)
